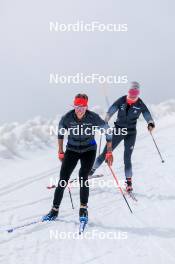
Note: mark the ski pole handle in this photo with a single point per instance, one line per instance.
(162, 160)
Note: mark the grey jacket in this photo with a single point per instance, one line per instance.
(83, 140)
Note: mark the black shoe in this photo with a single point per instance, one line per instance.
(129, 185)
(51, 216)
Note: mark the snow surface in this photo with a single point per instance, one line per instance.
(28, 162)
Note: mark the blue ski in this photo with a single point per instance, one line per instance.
(12, 229)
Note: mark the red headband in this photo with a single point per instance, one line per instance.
(80, 101)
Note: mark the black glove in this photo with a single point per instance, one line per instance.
(151, 126)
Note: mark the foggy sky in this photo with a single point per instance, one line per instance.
(29, 53)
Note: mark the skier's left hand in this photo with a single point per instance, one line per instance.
(109, 158)
(151, 126)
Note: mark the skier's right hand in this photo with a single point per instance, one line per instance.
(109, 158)
(151, 126)
(61, 156)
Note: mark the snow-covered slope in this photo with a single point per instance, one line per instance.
(147, 236)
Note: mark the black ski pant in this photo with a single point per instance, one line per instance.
(69, 163)
(129, 142)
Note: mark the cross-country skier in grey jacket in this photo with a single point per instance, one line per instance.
(81, 146)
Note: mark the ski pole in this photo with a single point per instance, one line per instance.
(115, 177)
(157, 147)
(54, 186)
(99, 150)
(107, 104)
(71, 197)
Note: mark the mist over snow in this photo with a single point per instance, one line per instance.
(16, 138)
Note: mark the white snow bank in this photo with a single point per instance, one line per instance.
(163, 109)
(35, 134)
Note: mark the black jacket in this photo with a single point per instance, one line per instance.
(81, 141)
(127, 116)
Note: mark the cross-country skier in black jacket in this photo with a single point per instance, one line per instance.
(128, 108)
(81, 145)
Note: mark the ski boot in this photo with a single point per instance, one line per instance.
(51, 216)
(129, 185)
(83, 214)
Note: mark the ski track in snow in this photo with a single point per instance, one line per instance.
(150, 229)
